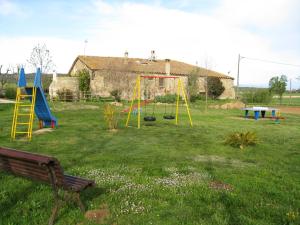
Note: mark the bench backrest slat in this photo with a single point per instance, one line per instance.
(30, 165)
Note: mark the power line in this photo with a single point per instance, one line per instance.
(270, 61)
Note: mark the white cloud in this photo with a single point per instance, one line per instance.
(18, 50)
(257, 13)
(8, 7)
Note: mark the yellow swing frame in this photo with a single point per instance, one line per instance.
(137, 95)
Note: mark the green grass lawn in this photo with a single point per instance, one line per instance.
(162, 174)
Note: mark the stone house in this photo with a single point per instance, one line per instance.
(111, 73)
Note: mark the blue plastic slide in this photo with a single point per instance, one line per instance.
(41, 108)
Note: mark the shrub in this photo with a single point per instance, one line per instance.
(84, 80)
(215, 87)
(46, 81)
(11, 92)
(110, 117)
(116, 94)
(241, 140)
(65, 95)
(169, 98)
(257, 96)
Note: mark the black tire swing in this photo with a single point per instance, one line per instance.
(149, 118)
(170, 116)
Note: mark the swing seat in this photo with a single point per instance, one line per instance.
(169, 117)
(150, 118)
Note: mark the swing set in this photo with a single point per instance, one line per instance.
(152, 117)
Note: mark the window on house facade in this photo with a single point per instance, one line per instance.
(161, 82)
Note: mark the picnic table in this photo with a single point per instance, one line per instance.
(260, 110)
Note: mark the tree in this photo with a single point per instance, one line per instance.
(40, 58)
(215, 87)
(84, 80)
(193, 87)
(4, 76)
(278, 85)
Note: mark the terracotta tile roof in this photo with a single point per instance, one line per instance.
(138, 65)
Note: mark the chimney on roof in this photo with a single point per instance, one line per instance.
(168, 66)
(153, 56)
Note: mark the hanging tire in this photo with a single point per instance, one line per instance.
(150, 118)
(169, 117)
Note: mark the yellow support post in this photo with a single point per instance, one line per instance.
(139, 101)
(186, 103)
(31, 116)
(177, 102)
(130, 109)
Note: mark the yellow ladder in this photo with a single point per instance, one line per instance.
(18, 114)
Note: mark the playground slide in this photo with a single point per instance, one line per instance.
(41, 108)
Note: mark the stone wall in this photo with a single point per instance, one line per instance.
(229, 92)
(60, 83)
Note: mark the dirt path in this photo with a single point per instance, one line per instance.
(2, 101)
(286, 109)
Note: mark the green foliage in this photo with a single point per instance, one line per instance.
(10, 92)
(46, 81)
(168, 98)
(193, 88)
(84, 80)
(215, 87)
(116, 94)
(65, 95)
(110, 116)
(278, 85)
(257, 96)
(241, 139)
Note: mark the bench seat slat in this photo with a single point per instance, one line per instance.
(77, 183)
(6, 152)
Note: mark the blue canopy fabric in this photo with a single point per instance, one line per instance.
(22, 78)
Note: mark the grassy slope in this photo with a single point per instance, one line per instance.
(160, 174)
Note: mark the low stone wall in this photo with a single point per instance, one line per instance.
(60, 83)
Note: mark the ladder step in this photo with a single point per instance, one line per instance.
(21, 132)
(22, 114)
(25, 95)
(23, 123)
(25, 105)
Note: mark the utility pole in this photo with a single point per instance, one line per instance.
(238, 78)
(290, 91)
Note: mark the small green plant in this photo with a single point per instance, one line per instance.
(241, 139)
(10, 92)
(110, 117)
(292, 217)
(116, 94)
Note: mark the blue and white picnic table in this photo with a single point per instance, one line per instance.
(259, 110)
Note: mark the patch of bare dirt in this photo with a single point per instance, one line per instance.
(98, 215)
(292, 110)
(6, 101)
(231, 105)
(71, 106)
(42, 131)
(220, 186)
(222, 160)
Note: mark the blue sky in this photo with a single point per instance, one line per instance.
(212, 33)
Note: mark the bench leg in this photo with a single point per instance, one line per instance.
(54, 213)
(79, 202)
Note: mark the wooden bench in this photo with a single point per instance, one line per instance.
(48, 170)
